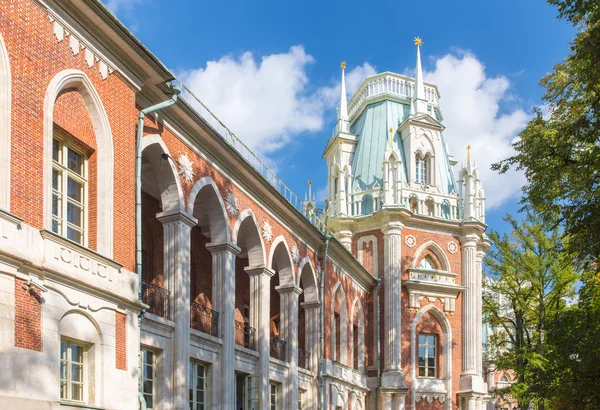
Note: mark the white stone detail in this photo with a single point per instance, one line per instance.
(74, 44)
(452, 247)
(410, 241)
(295, 254)
(89, 58)
(267, 231)
(231, 204)
(186, 167)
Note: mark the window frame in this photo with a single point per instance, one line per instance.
(427, 346)
(143, 378)
(69, 377)
(193, 386)
(273, 396)
(61, 166)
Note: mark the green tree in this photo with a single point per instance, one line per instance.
(560, 152)
(529, 278)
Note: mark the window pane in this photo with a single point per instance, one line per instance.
(76, 353)
(74, 214)
(149, 357)
(147, 387)
(63, 371)
(75, 162)
(431, 352)
(421, 372)
(55, 226)
(77, 392)
(73, 235)
(56, 179)
(421, 361)
(74, 190)
(55, 150)
(421, 351)
(56, 205)
(76, 373)
(431, 361)
(431, 372)
(431, 340)
(63, 390)
(421, 339)
(149, 402)
(63, 350)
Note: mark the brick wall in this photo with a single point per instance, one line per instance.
(152, 242)
(121, 340)
(28, 317)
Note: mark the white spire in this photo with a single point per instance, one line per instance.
(419, 102)
(343, 113)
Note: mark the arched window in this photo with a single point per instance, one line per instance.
(427, 263)
(421, 170)
(446, 209)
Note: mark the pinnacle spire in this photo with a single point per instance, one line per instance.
(419, 102)
(343, 113)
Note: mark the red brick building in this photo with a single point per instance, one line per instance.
(121, 194)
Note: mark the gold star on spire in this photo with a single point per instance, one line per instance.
(343, 65)
(418, 41)
(469, 153)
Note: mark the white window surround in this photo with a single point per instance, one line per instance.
(148, 379)
(440, 387)
(73, 368)
(5, 121)
(198, 386)
(105, 155)
(359, 245)
(358, 312)
(343, 359)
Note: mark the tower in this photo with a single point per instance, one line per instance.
(393, 192)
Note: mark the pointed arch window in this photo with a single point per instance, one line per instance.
(427, 263)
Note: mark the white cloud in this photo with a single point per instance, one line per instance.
(470, 103)
(268, 102)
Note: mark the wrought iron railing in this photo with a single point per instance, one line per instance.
(204, 319)
(304, 359)
(157, 298)
(277, 350)
(244, 335)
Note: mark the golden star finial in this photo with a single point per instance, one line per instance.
(469, 153)
(343, 65)
(418, 41)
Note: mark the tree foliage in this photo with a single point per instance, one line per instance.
(560, 151)
(529, 278)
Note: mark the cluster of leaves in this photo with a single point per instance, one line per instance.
(553, 348)
(560, 151)
(530, 279)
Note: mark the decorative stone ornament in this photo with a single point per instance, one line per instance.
(186, 167)
(232, 207)
(410, 241)
(267, 231)
(295, 254)
(452, 247)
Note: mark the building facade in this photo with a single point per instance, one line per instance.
(149, 260)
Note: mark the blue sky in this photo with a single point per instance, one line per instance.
(270, 69)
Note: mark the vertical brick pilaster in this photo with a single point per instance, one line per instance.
(28, 318)
(121, 341)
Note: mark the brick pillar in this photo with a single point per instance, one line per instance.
(289, 326)
(223, 293)
(176, 230)
(260, 302)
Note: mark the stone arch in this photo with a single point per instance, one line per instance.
(5, 121)
(246, 230)
(206, 204)
(436, 250)
(338, 295)
(357, 316)
(446, 352)
(280, 260)
(308, 314)
(105, 180)
(168, 184)
(307, 279)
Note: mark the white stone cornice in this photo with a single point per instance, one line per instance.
(177, 216)
(259, 270)
(223, 247)
(285, 289)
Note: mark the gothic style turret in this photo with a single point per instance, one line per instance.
(471, 191)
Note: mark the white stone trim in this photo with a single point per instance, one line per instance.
(307, 263)
(286, 277)
(236, 230)
(437, 250)
(5, 120)
(104, 170)
(171, 197)
(446, 354)
(218, 225)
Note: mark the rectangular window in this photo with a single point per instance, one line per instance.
(273, 396)
(197, 386)
(427, 355)
(148, 376)
(71, 371)
(69, 192)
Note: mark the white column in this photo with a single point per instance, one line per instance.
(223, 294)
(385, 398)
(345, 238)
(176, 234)
(289, 327)
(392, 237)
(260, 302)
(311, 343)
(342, 194)
(478, 279)
(470, 305)
(398, 401)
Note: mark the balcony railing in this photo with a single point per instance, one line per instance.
(157, 298)
(304, 359)
(204, 319)
(278, 348)
(244, 335)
